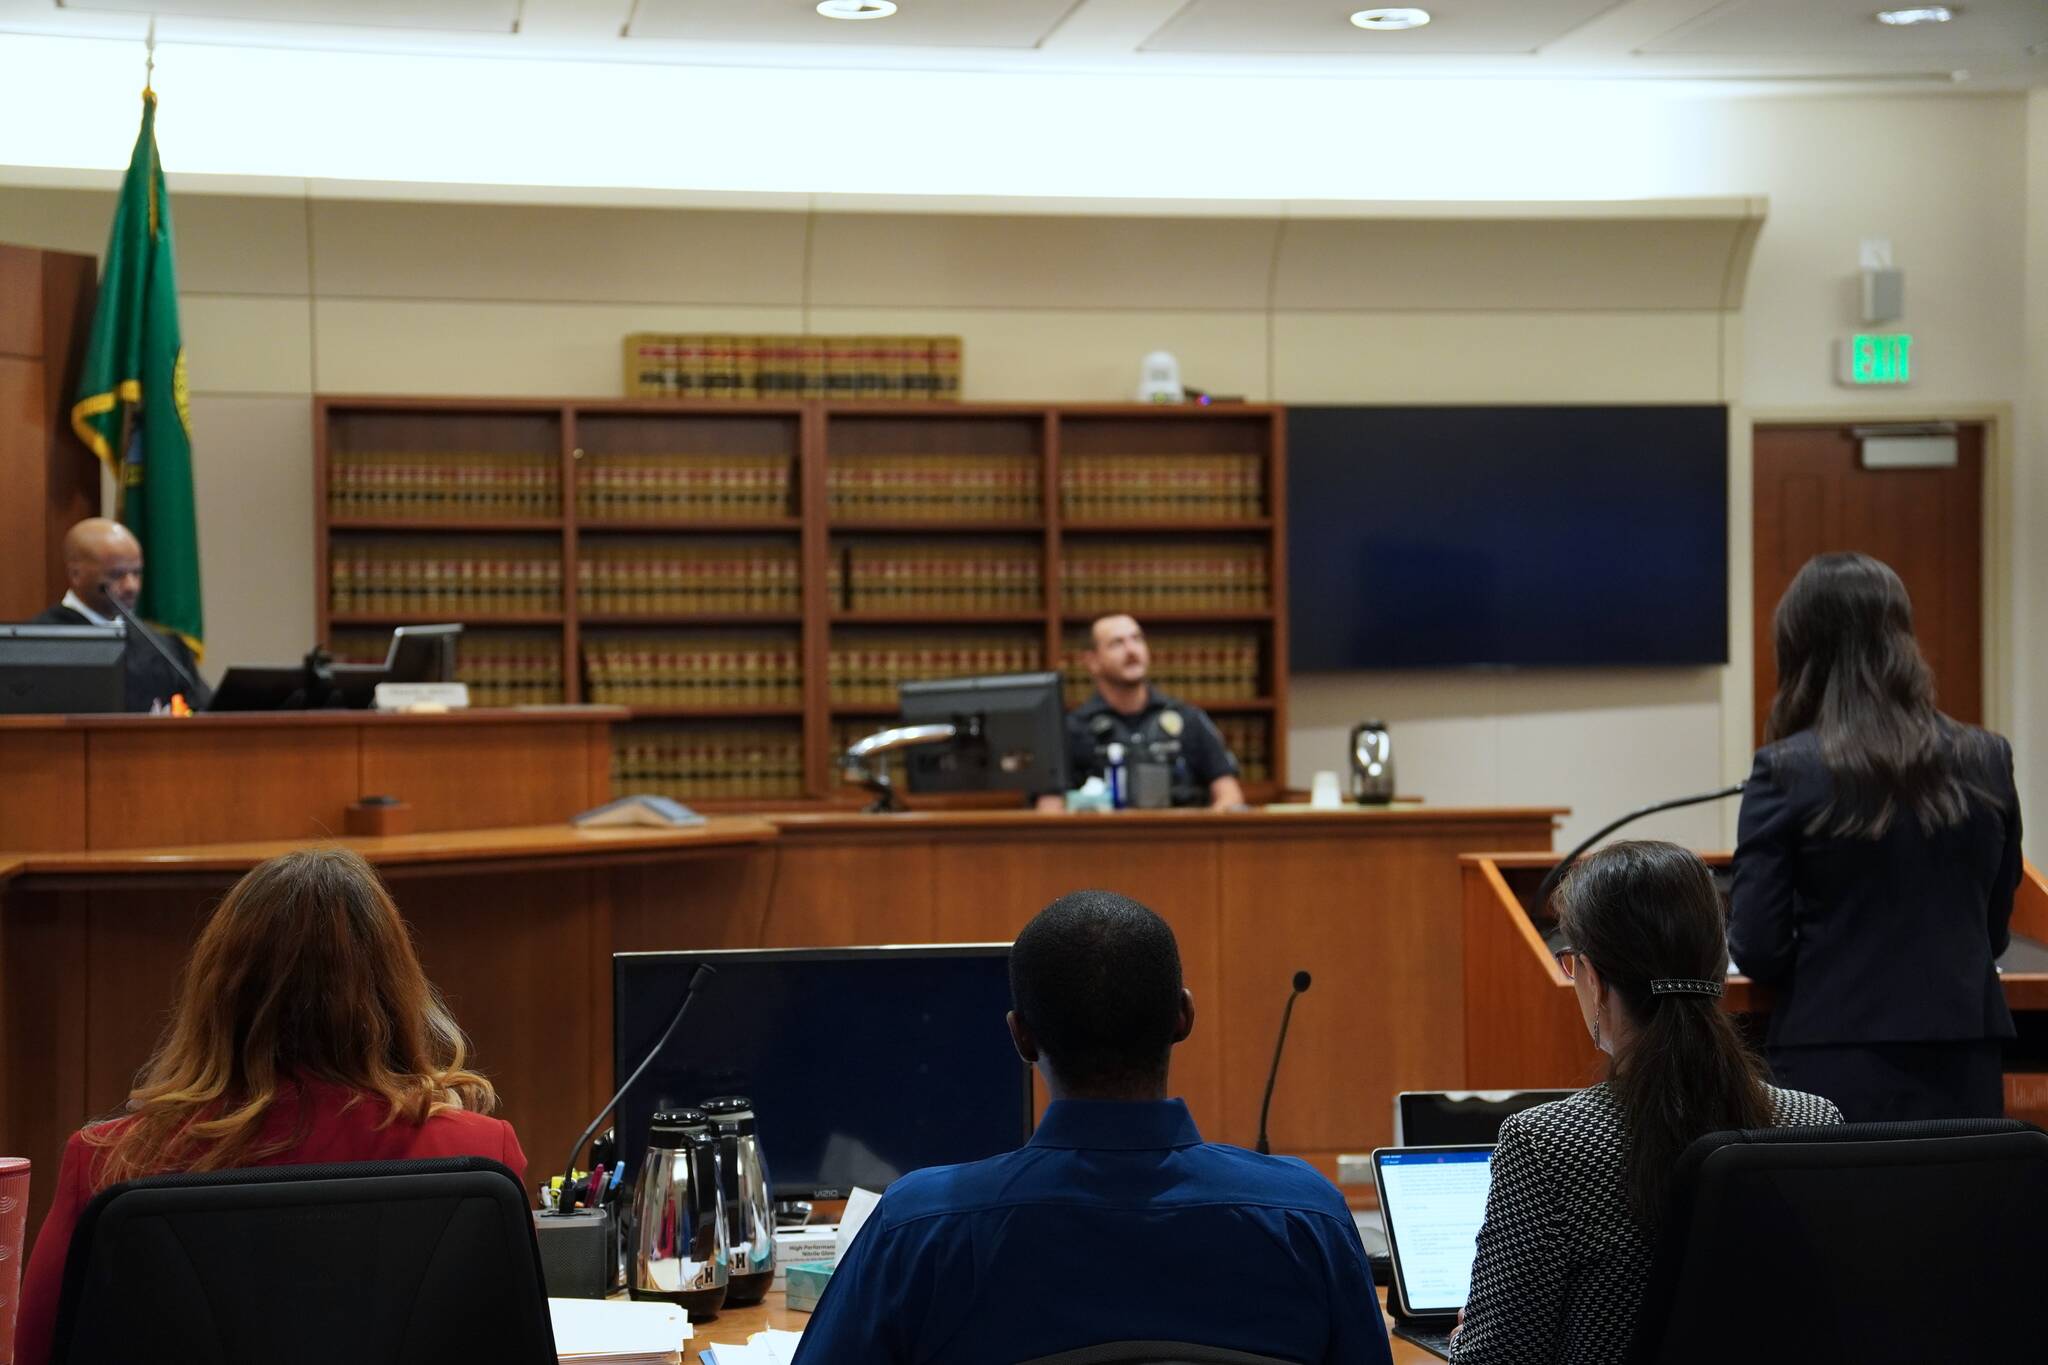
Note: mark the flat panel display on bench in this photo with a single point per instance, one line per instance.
(1536, 536)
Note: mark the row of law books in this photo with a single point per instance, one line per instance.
(781, 367)
(1162, 487)
(920, 576)
(708, 762)
(452, 484)
(1203, 667)
(1166, 576)
(1251, 739)
(865, 669)
(441, 576)
(675, 576)
(696, 669)
(933, 488)
(613, 487)
(501, 667)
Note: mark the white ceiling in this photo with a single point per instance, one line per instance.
(1773, 44)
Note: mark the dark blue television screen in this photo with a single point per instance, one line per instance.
(1538, 536)
(863, 1063)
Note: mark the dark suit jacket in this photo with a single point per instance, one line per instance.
(1889, 940)
(150, 679)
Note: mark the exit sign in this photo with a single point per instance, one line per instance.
(1875, 358)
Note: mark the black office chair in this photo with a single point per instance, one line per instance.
(1154, 1353)
(398, 1262)
(1855, 1243)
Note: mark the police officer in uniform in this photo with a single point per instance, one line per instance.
(1152, 726)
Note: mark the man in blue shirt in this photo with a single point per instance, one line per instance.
(1116, 1223)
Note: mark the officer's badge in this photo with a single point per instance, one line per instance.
(1171, 723)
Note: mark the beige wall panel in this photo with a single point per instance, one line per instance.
(253, 474)
(493, 349)
(572, 255)
(226, 244)
(973, 261)
(1075, 357)
(56, 220)
(1656, 264)
(1496, 357)
(245, 344)
(1600, 741)
(233, 244)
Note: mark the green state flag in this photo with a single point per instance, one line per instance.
(131, 409)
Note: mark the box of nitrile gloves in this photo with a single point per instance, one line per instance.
(812, 1245)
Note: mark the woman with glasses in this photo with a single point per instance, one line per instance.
(1878, 853)
(1579, 1186)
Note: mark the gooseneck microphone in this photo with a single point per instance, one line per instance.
(1556, 874)
(1301, 980)
(194, 688)
(703, 973)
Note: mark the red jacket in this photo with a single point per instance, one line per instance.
(340, 1125)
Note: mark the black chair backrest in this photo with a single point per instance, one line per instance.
(399, 1262)
(1852, 1243)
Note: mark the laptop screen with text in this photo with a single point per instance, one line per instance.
(1433, 1200)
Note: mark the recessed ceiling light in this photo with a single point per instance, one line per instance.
(1919, 14)
(1387, 20)
(857, 9)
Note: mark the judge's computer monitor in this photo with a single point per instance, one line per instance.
(1011, 734)
(58, 670)
(863, 1064)
(422, 654)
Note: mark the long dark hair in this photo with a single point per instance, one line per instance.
(1645, 911)
(1850, 670)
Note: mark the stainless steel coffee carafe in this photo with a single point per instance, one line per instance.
(749, 1206)
(1372, 763)
(676, 1247)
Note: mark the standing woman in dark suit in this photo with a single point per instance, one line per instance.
(1878, 853)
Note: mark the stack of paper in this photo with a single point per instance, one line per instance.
(616, 1332)
(772, 1347)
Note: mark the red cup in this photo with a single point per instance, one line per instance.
(13, 1231)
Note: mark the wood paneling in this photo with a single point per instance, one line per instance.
(42, 797)
(1812, 496)
(480, 777)
(51, 480)
(173, 784)
(21, 302)
(43, 1008)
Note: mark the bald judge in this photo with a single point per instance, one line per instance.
(103, 557)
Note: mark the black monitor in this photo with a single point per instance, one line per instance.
(863, 1063)
(55, 670)
(423, 654)
(1013, 734)
(1457, 1118)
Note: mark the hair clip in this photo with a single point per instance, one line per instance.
(1687, 985)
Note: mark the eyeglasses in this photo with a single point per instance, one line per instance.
(1568, 962)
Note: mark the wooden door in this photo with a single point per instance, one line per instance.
(1812, 496)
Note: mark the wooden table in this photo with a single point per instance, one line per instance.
(735, 1325)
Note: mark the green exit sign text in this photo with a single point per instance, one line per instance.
(1876, 358)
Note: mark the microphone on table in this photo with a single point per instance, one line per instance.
(578, 1253)
(1301, 980)
(194, 688)
(1556, 874)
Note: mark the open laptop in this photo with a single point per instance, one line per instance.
(1433, 1200)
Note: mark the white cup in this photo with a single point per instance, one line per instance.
(1324, 793)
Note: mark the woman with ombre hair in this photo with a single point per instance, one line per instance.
(304, 1032)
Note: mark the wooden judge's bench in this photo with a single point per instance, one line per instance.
(120, 833)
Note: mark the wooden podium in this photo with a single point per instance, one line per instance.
(1522, 1024)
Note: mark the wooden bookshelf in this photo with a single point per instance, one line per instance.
(842, 495)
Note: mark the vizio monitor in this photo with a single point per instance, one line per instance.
(1013, 734)
(863, 1063)
(55, 670)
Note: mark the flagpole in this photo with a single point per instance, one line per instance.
(149, 60)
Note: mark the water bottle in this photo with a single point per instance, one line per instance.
(1119, 777)
(749, 1205)
(678, 1243)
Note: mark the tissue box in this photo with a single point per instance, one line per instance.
(812, 1244)
(806, 1283)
